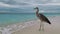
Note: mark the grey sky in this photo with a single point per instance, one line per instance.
(27, 5)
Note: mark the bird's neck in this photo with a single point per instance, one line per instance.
(37, 11)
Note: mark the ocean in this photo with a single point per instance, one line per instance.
(9, 21)
(13, 18)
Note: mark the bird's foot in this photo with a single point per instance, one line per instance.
(42, 29)
(39, 29)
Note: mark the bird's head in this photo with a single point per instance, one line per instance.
(36, 8)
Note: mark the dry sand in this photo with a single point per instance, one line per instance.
(54, 28)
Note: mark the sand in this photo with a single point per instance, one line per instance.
(54, 28)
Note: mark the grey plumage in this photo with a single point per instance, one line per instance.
(44, 18)
(41, 17)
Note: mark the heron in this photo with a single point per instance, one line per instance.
(42, 18)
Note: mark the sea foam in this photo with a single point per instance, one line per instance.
(15, 27)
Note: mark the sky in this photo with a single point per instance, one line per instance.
(26, 6)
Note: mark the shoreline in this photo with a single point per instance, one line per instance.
(48, 29)
(33, 25)
(15, 27)
(24, 30)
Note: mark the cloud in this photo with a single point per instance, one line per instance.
(4, 11)
(28, 4)
(7, 5)
(50, 4)
(55, 1)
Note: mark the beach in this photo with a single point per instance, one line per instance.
(53, 28)
(23, 16)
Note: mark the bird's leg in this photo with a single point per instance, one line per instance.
(43, 26)
(40, 26)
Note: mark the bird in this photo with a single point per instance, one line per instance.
(42, 18)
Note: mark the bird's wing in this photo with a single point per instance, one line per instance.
(44, 18)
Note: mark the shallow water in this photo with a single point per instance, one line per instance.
(7, 19)
(15, 27)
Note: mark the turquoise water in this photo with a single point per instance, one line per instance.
(14, 18)
(7, 19)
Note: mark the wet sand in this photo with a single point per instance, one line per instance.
(54, 28)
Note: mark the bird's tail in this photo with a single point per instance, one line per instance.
(49, 22)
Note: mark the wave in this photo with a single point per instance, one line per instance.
(15, 27)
